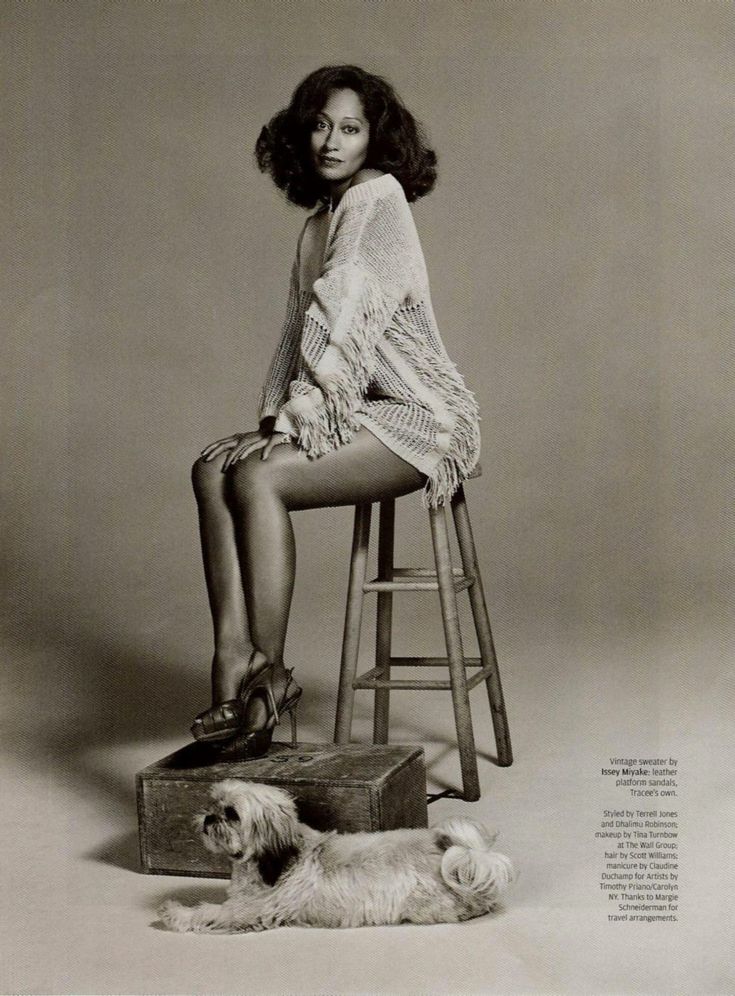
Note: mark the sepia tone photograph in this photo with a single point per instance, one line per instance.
(367, 426)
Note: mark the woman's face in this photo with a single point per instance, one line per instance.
(340, 138)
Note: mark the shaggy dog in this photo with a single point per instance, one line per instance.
(284, 872)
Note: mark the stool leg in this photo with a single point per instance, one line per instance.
(353, 623)
(455, 654)
(384, 621)
(471, 569)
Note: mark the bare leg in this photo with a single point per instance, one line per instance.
(232, 642)
(265, 491)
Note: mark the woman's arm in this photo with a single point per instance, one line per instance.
(280, 372)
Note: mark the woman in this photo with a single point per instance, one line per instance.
(361, 401)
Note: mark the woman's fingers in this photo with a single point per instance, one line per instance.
(229, 443)
(241, 446)
(219, 446)
(214, 450)
(242, 450)
(275, 440)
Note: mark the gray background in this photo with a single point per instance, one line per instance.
(580, 247)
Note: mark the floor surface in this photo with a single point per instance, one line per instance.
(77, 916)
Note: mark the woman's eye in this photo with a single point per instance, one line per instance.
(350, 129)
(320, 125)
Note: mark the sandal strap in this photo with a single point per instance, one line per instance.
(225, 716)
(294, 696)
(228, 715)
(274, 708)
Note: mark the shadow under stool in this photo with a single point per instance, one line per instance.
(448, 581)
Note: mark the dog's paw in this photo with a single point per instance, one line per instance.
(206, 918)
(175, 916)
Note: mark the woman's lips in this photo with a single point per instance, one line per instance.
(329, 161)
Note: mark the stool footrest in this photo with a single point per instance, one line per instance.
(377, 585)
(431, 662)
(482, 675)
(422, 572)
(372, 679)
(461, 583)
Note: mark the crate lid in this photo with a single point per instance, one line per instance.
(347, 764)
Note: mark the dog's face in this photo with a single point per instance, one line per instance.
(248, 821)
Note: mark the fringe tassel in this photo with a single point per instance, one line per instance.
(442, 483)
(315, 430)
(332, 421)
(439, 373)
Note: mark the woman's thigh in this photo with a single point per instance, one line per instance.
(363, 470)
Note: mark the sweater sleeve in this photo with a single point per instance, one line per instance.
(361, 284)
(282, 365)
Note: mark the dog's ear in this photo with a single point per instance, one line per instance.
(276, 822)
(276, 835)
(272, 864)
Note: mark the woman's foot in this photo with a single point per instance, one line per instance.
(259, 708)
(232, 672)
(231, 711)
(230, 665)
(279, 695)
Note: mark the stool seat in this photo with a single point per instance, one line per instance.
(448, 581)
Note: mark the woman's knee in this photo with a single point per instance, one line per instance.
(206, 475)
(252, 479)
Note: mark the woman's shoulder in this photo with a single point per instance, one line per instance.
(365, 175)
(364, 180)
(367, 185)
(371, 185)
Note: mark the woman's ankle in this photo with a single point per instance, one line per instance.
(230, 664)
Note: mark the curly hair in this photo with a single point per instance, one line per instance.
(397, 144)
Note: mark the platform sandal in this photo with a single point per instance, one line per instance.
(255, 743)
(220, 723)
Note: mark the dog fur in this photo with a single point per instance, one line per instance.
(286, 873)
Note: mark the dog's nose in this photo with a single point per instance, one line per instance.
(209, 820)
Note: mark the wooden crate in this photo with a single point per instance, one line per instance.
(346, 787)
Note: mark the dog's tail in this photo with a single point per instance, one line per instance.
(469, 865)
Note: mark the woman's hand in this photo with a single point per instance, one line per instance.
(241, 445)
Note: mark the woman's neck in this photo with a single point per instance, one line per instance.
(336, 192)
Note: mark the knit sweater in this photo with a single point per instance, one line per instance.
(360, 344)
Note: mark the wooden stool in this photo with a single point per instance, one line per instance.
(448, 581)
